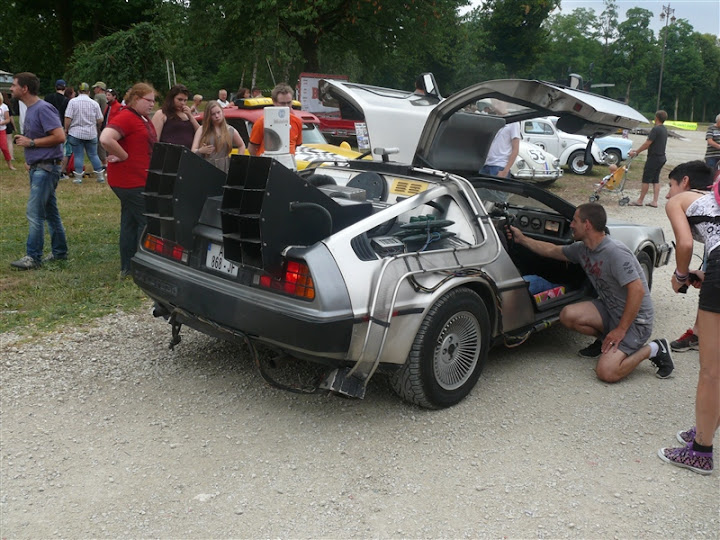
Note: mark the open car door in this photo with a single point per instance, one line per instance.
(453, 136)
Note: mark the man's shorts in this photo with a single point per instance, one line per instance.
(710, 289)
(635, 338)
(68, 149)
(651, 172)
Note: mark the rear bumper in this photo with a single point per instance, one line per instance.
(217, 306)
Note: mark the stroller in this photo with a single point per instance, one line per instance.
(614, 183)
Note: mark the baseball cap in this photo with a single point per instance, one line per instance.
(60, 83)
(84, 87)
(100, 84)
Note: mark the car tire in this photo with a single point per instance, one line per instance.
(647, 267)
(613, 156)
(448, 353)
(577, 163)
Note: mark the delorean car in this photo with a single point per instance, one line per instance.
(379, 266)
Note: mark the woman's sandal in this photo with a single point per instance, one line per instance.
(654, 205)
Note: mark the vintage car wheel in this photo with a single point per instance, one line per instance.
(647, 267)
(577, 163)
(612, 156)
(448, 353)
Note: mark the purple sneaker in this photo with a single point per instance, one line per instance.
(686, 457)
(685, 437)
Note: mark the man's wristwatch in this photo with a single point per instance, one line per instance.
(32, 143)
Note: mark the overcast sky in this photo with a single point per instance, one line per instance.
(703, 15)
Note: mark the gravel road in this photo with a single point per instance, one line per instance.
(106, 433)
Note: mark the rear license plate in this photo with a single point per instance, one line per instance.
(217, 262)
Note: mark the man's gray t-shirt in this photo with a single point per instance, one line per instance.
(610, 267)
(658, 135)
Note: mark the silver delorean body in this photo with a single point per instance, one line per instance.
(375, 266)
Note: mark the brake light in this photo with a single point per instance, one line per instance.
(295, 280)
(166, 248)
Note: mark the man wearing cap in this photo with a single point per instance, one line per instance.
(42, 140)
(83, 119)
(57, 99)
(100, 96)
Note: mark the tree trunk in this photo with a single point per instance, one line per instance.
(692, 109)
(627, 92)
(309, 47)
(64, 14)
(677, 103)
(254, 74)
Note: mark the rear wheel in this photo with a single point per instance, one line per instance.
(577, 163)
(448, 353)
(647, 267)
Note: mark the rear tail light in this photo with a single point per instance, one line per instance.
(295, 281)
(166, 248)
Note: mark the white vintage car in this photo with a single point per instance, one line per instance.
(570, 148)
(534, 164)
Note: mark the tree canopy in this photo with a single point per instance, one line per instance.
(216, 44)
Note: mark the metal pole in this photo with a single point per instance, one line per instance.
(666, 14)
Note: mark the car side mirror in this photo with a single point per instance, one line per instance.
(429, 85)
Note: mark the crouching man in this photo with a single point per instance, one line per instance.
(622, 315)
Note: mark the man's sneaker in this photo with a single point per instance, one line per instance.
(52, 258)
(663, 359)
(685, 437)
(100, 175)
(688, 341)
(593, 350)
(686, 457)
(26, 263)
(77, 178)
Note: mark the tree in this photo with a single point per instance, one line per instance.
(635, 50)
(608, 23)
(573, 45)
(55, 27)
(515, 30)
(129, 55)
(708, 91)
(683, 68)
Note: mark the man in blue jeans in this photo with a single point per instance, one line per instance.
(83, 121)
(42, 140)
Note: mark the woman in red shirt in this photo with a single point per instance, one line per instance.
(128, 139)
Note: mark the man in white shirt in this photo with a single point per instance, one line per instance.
(503, 151)
(83, 119)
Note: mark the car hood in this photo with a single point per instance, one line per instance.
(447, 135)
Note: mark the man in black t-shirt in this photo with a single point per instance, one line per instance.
(655, 145)
(58, 100)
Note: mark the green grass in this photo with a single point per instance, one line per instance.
(88, 284)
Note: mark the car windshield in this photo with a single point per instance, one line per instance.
(312, 135)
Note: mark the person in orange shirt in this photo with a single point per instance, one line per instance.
(282, 96)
